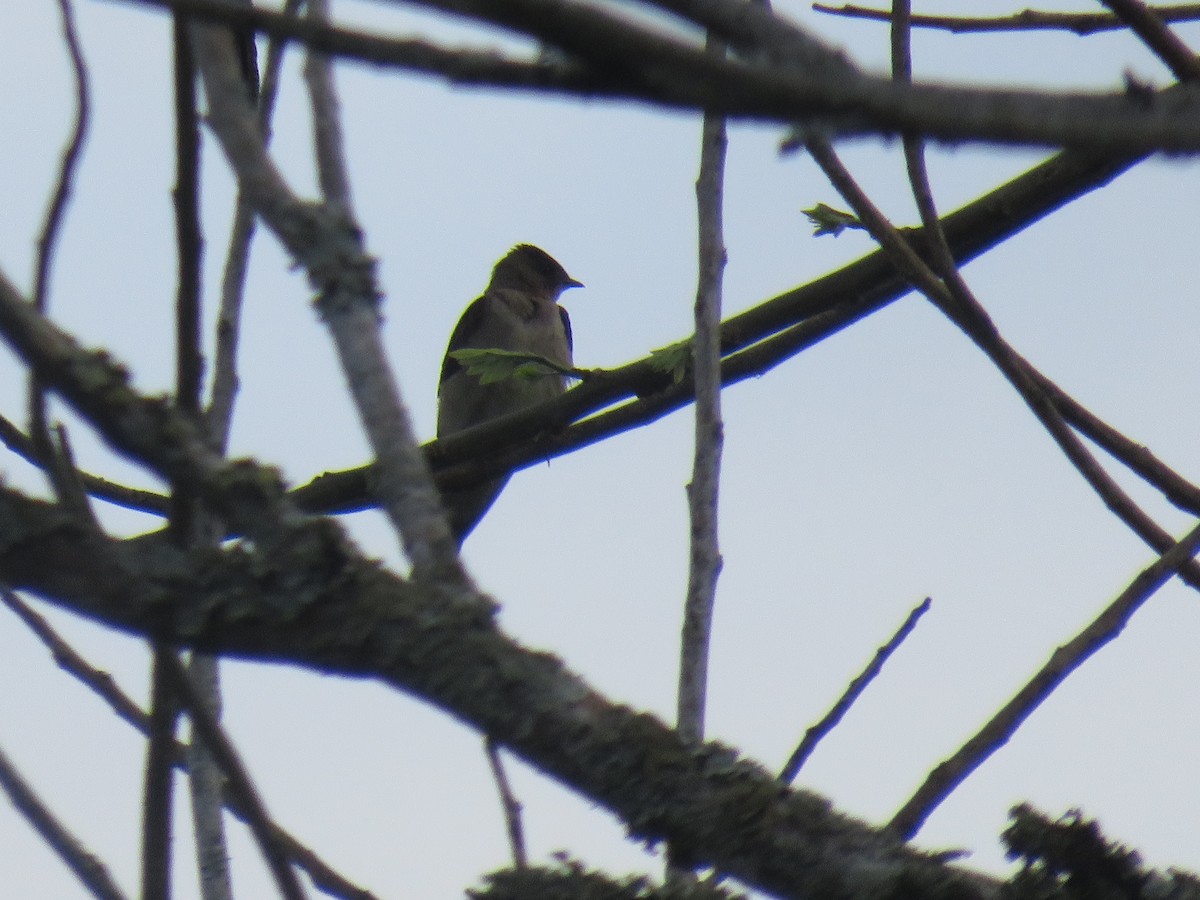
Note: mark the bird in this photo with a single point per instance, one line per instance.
(518, 312)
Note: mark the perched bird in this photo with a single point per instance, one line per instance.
(518, 312)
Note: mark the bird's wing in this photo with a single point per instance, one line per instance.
(468, 324)
(566, 320)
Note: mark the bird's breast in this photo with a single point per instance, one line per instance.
(532, 325)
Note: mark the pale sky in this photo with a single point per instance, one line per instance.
(890, 463)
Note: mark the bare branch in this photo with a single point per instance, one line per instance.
(754, 29)
(327, 121)
(627, 61)
(209, 787)
(951, 295)
(1026, 20)
(813, 736)
(317, 603)
(103, 685)
(1165, 44)
(1065, 660)
(703, 491)
(326, 241)
(100, 683)
(209, 731)
(188, 520)
(404, 484)
(462, 66)
(219, 412)
(69, 162)
(249, 497)
(189, 241)
(87, 868)
(509, 805)
(158, 792)
(60, 471)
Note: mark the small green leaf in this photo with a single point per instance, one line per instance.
(491, 366)
(673, 359)
(827, 220)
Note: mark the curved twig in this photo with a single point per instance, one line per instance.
(853, 691)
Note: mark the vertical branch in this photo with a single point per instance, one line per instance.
(207, 788)
(189, 363)
(206, 730)
(157, 794)
(403, 483)
(39, 428)
(914, 157)
(219, 413)
(186, 514)
(327, 120)
(901, 36)
(510, 805)
(70, 160)
(329, 244)
(705, 557)
(207, 783)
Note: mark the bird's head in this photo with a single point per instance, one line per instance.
(529, 268)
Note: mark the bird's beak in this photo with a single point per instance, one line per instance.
(571, 282)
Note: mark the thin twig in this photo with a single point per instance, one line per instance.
(59, 471)
(509, 803)
(100, 683)
(1026, 20)
(219, 412)
(158, 793)
(217, 423)
(704, 489)
(87, 868)
(1165, 44)
(187, 521)
(954, 299)
(1065, 660)
(950, 293)
(101, 488)
(68, 483)
(327, 121)
(829, 721)
(68, 165)
(210, 732)
(1137, 457)
(208, 787)
(218, 418)
(189, 242)
(103, 685)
